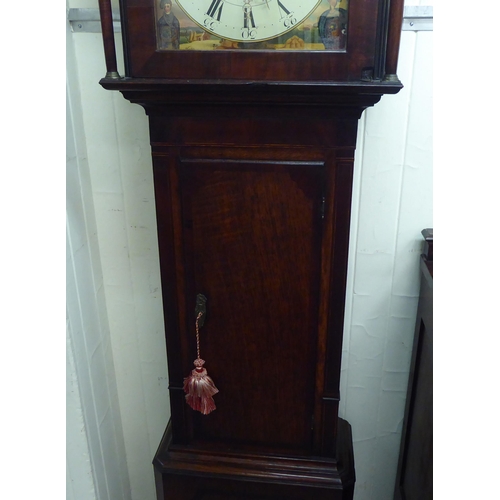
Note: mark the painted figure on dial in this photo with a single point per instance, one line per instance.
(332, 26)
(168, 27)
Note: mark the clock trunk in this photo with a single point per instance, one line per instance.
(259, 225)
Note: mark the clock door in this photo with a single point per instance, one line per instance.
(251, 238)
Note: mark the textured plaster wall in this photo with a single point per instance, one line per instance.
(95, 458)
(392, 202)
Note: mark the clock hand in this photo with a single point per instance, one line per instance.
(248, 20)
(247, 10)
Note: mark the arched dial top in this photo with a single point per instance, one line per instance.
(248, 20)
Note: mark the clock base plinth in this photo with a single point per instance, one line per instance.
(191, 473)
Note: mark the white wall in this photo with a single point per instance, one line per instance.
(391, 205)
(95, 458)
(117, 152)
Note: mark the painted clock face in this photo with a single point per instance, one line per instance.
(297, 25)
(248, 20)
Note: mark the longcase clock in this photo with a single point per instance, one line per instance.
(253, 110)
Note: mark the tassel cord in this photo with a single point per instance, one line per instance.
(199, 387)
(200, 314)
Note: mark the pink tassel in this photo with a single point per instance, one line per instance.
(199, 389)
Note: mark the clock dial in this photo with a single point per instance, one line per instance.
(248, 20)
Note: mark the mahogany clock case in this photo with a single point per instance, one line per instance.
(253, 208)
(364, 57)
(253, 156)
